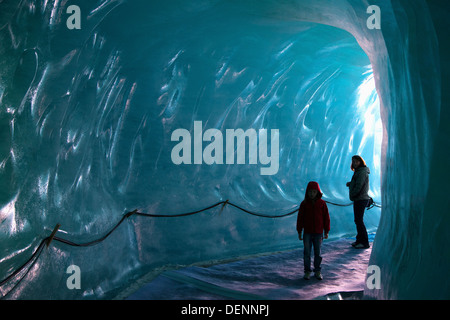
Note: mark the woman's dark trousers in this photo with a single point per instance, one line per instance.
(358, 209)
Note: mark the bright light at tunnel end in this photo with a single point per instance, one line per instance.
(369, 110)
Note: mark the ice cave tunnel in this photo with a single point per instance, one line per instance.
(130, 107)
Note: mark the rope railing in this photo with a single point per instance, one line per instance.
(46, 241)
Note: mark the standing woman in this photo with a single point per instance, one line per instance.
(358, 192)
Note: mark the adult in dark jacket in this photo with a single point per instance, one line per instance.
(314, 219)
(358, 193)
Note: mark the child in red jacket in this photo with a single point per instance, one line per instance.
(314, 218)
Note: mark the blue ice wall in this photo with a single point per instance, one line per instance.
(87, 118)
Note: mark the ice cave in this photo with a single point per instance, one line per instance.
(141, 137)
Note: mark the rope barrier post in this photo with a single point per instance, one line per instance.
(223, 206)
(50, 239)
(129, 214)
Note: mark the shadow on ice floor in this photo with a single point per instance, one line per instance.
(277, 276)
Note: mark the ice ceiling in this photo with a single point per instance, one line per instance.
(87, 119)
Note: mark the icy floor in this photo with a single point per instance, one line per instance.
(275, 276)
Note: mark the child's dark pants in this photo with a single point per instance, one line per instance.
(312, 239)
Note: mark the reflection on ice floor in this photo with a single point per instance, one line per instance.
(275, 276)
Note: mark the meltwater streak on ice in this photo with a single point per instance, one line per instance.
(86, 118)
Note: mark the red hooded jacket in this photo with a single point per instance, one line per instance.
(313, 215)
